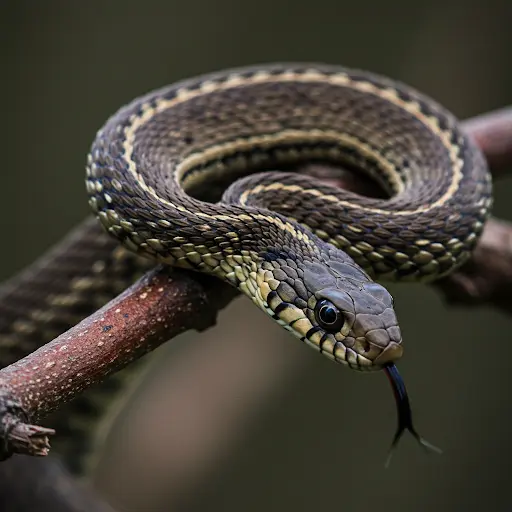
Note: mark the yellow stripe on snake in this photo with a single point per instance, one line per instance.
(304, 252)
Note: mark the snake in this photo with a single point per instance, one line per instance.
(201, 175)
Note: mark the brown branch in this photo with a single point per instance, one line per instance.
(493, 133)
(158, 307)
(164, 304)
(22, 437)
(486, 279)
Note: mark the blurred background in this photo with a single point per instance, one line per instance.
(243, 416)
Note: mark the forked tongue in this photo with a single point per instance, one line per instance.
(404, 413)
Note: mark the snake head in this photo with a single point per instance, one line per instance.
(354, 315)
(336, 308)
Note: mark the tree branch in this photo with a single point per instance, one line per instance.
(493, 133)
(158, 307)
(486, 279)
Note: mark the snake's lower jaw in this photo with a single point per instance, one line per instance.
(390, 354)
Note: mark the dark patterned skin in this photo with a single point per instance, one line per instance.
(304, 252)
(149, 154)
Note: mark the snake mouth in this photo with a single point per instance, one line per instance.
(390, 354)
(367, 353)
(373, 360)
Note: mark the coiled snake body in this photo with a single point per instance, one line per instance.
(305, 253)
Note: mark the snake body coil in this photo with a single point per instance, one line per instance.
(294, 247)
(304, 252)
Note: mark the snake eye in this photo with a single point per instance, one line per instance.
(329, 316)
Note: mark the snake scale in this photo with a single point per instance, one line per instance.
(306, 253)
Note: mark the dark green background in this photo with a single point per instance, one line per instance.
(319, 439)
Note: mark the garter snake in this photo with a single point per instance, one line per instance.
(304, 252)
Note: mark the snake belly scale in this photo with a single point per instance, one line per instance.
(305, 253)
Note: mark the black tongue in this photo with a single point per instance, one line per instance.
(404, 413)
